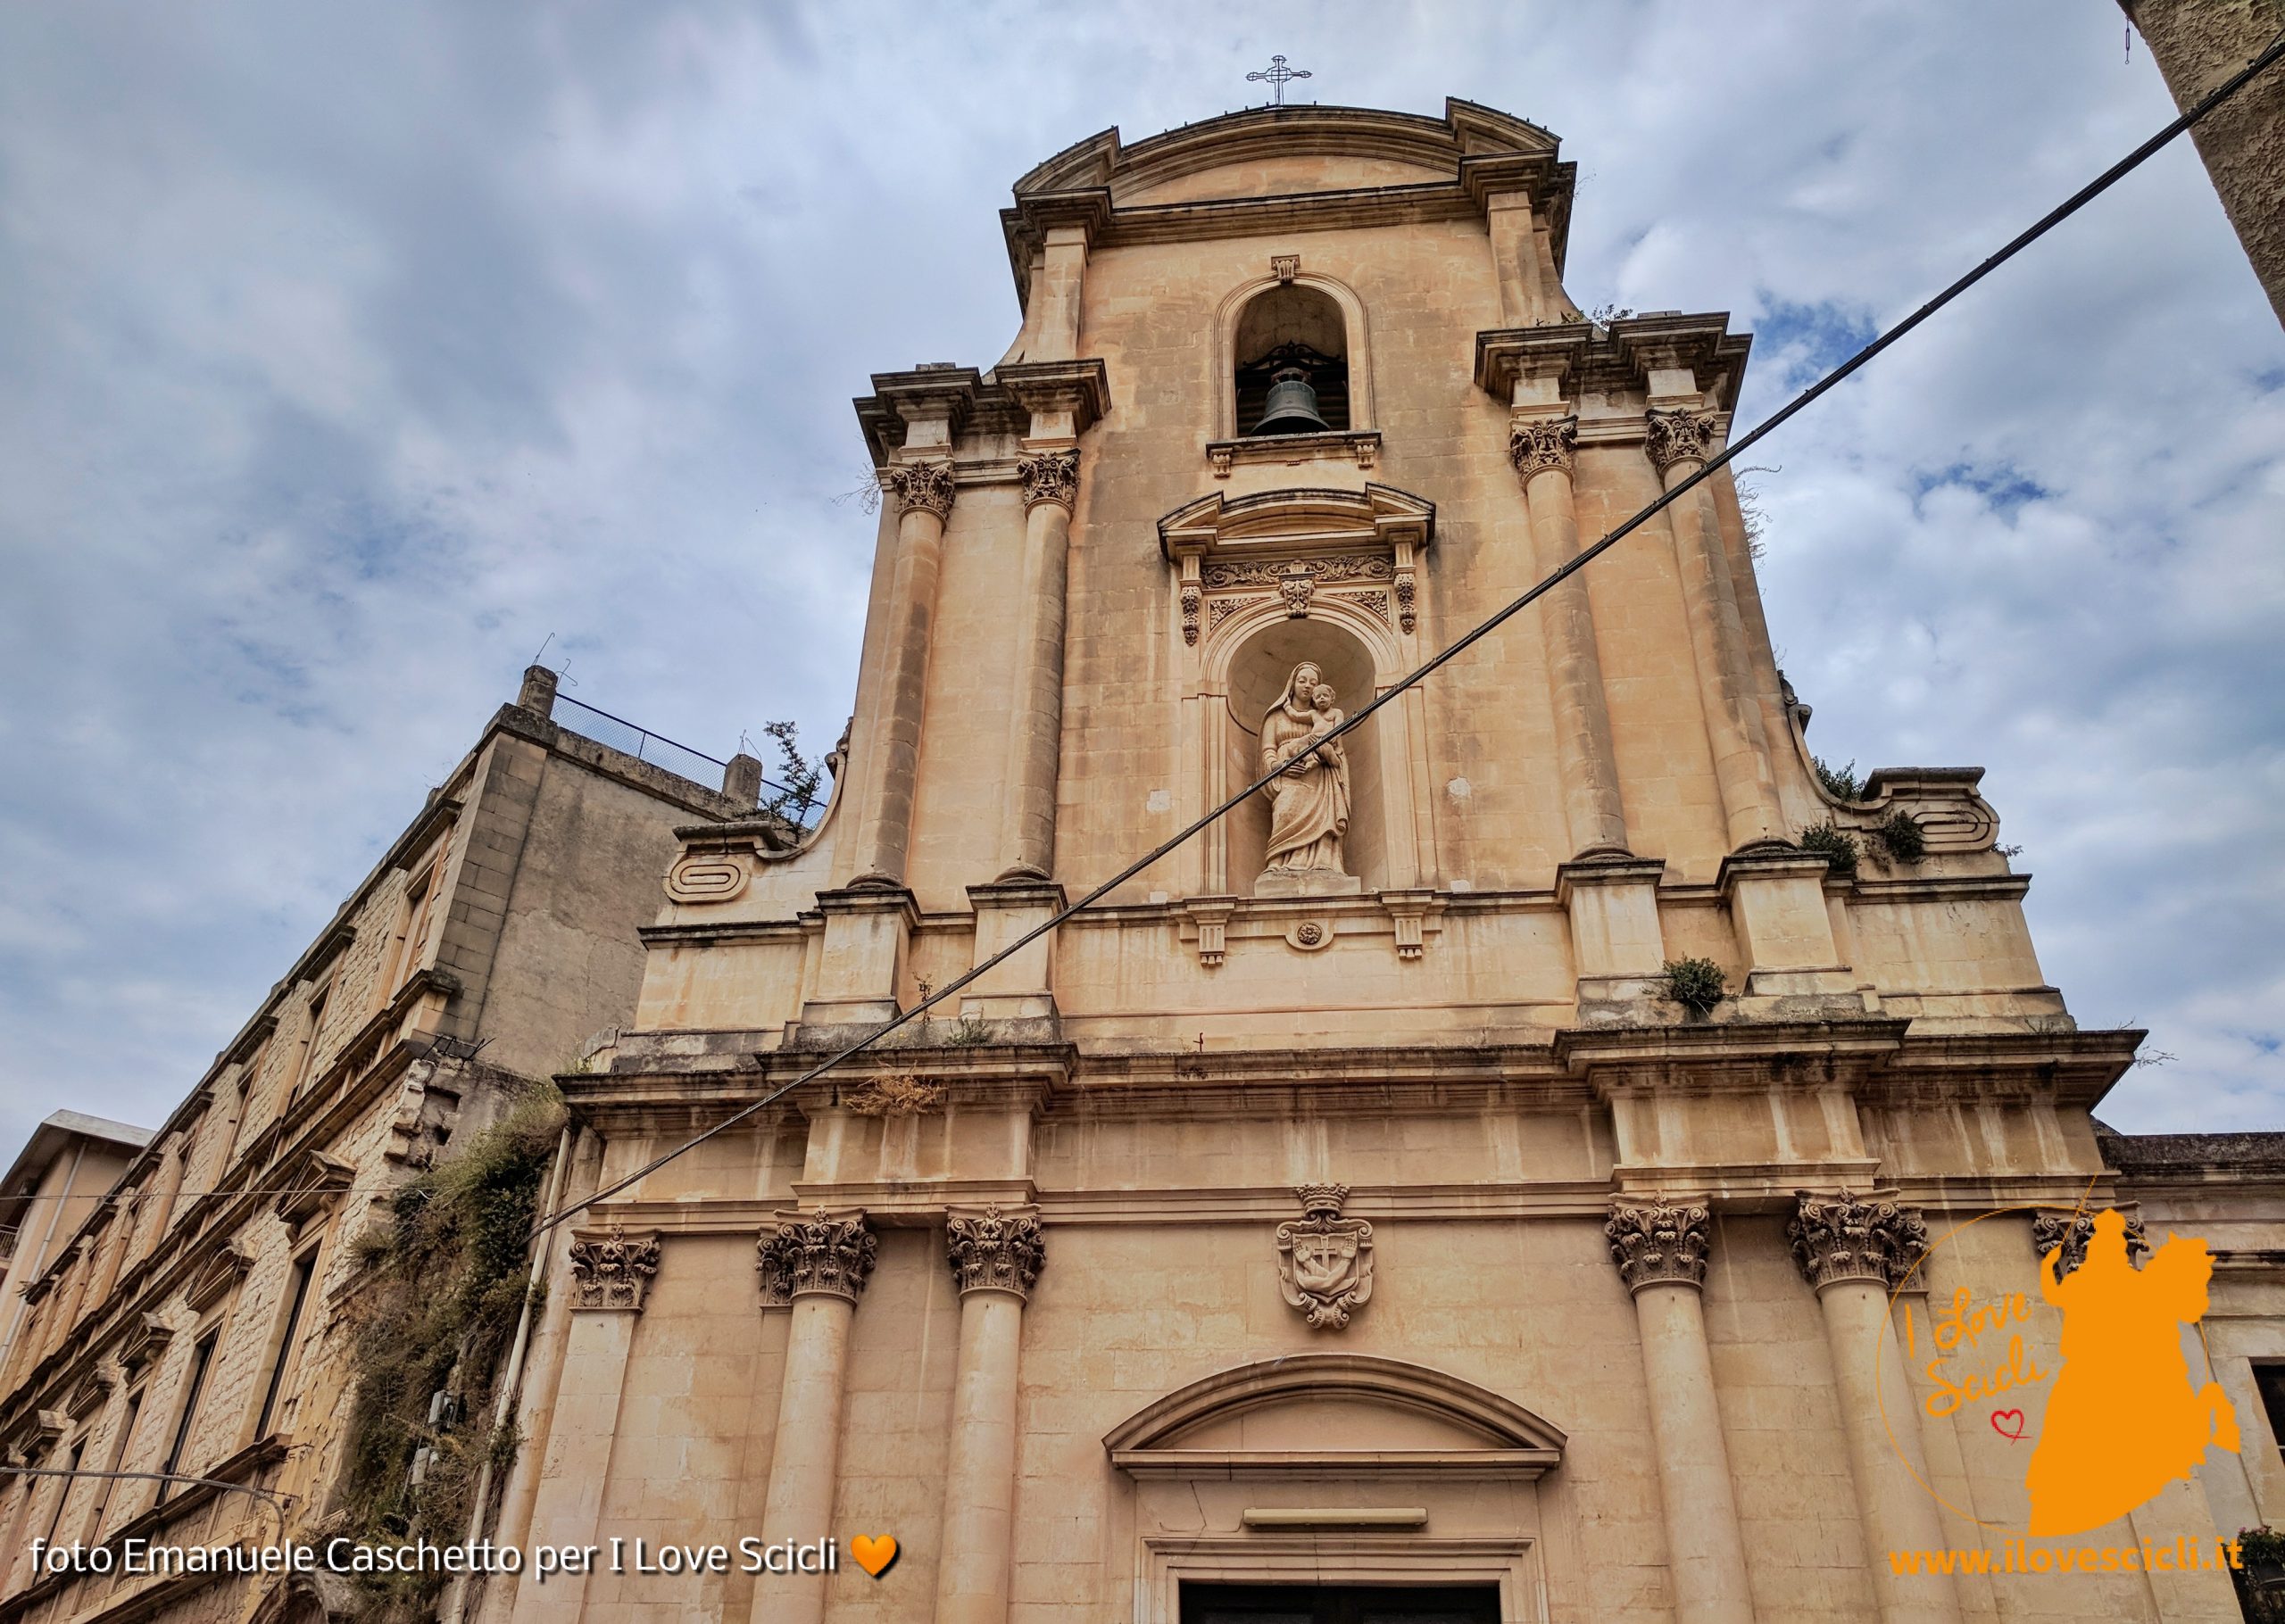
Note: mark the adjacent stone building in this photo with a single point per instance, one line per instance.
(190, 1320)
(1345, 1219)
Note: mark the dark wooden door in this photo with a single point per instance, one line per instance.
(1340, 1604)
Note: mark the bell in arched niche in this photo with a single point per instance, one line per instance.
(1293, 407)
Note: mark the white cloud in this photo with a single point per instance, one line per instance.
(352, 353)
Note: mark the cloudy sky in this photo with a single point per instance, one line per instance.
(348, 354)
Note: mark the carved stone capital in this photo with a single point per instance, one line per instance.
(1325, 1262)
(992, 1251)
(1659, 1244)
(1679, 436)
(2072, 1231)
(1049, 476)
(1539, 446)
(821, 1255)
(923, 485)
(1836, 1237)
(612, 1269)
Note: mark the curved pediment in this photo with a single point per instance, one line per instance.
(1291, 518)
(1286, 151)
(1346, 1412)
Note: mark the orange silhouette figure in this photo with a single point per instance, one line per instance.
(2123, 1420)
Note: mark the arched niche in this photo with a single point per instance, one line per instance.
(1268, 580)
(1262, 655)
(1305, 305)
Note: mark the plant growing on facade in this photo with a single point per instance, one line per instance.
(1835, 844)
(443, 1286)
(1840, 782)
(1697, 984)
(1902, 835)
(800, 778)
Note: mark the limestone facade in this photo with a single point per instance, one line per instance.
(1609, 1309)
(193, 1317)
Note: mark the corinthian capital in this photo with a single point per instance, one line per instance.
(1049, 476)
(1657, 1245)
(1838, 1238)
(925, 485)
(612, 1269)
(1540, 445)
(1679, 436)
(2073, 1230)
(992, 1251)
(819, 1255)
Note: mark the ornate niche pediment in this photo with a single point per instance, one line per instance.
(215, 1278)
(88, 1395)
(1305, 551)
(1345, 1415)
(310, 1183)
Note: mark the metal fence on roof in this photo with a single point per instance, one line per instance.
(665, 753)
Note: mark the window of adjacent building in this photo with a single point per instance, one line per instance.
(281, 1360)
(412, 927)
(305, 1061)
(63, 1486)
(2269, 1382)
(1290, 335)
(201, 1357)
(117, 1464)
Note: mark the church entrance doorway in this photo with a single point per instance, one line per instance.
(1340, 1604)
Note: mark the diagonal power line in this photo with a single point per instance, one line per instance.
(2030, 234)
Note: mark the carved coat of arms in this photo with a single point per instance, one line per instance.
(1325, 1262)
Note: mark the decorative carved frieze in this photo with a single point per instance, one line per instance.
(2072, 1231)
(925, 485)
(1322, 572)
(1539, 446)
(1219, 608)
(611, 1269)
(1375, 604)
(1190, 600)
(1048, 476)
(1836, 1237)
(822, 1254)
(1325, 1262)
(992, 1251)
(1654, 1243)
(1680, 436)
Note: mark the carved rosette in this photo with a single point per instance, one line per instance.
(1542, 445)
(1838, 1238)
(1325, 1262)
(1659, 1244)
(820, 1256)
(1679, 436)
(1049, 476)
(1406, 612)
(612, 1269)
(992, 1251)
(2072, 1231)
(1190, 600)
(923, 485)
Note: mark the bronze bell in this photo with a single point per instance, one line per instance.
(1293, 405)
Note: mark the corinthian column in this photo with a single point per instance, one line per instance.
(1660, 1251)
(1855, 1253)
(924, 495)
(820, 1261)
(1678, 442)
(994, 1258)
(1051, 480)
(1542, 450)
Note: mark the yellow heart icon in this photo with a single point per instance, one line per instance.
(873, 1552)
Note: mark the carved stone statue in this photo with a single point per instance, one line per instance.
(1309, 800)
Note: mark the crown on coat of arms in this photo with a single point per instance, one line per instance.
(1321, 1200)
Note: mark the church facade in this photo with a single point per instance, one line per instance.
(1499, 1172)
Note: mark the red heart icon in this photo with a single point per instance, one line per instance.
(1999, 1418)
